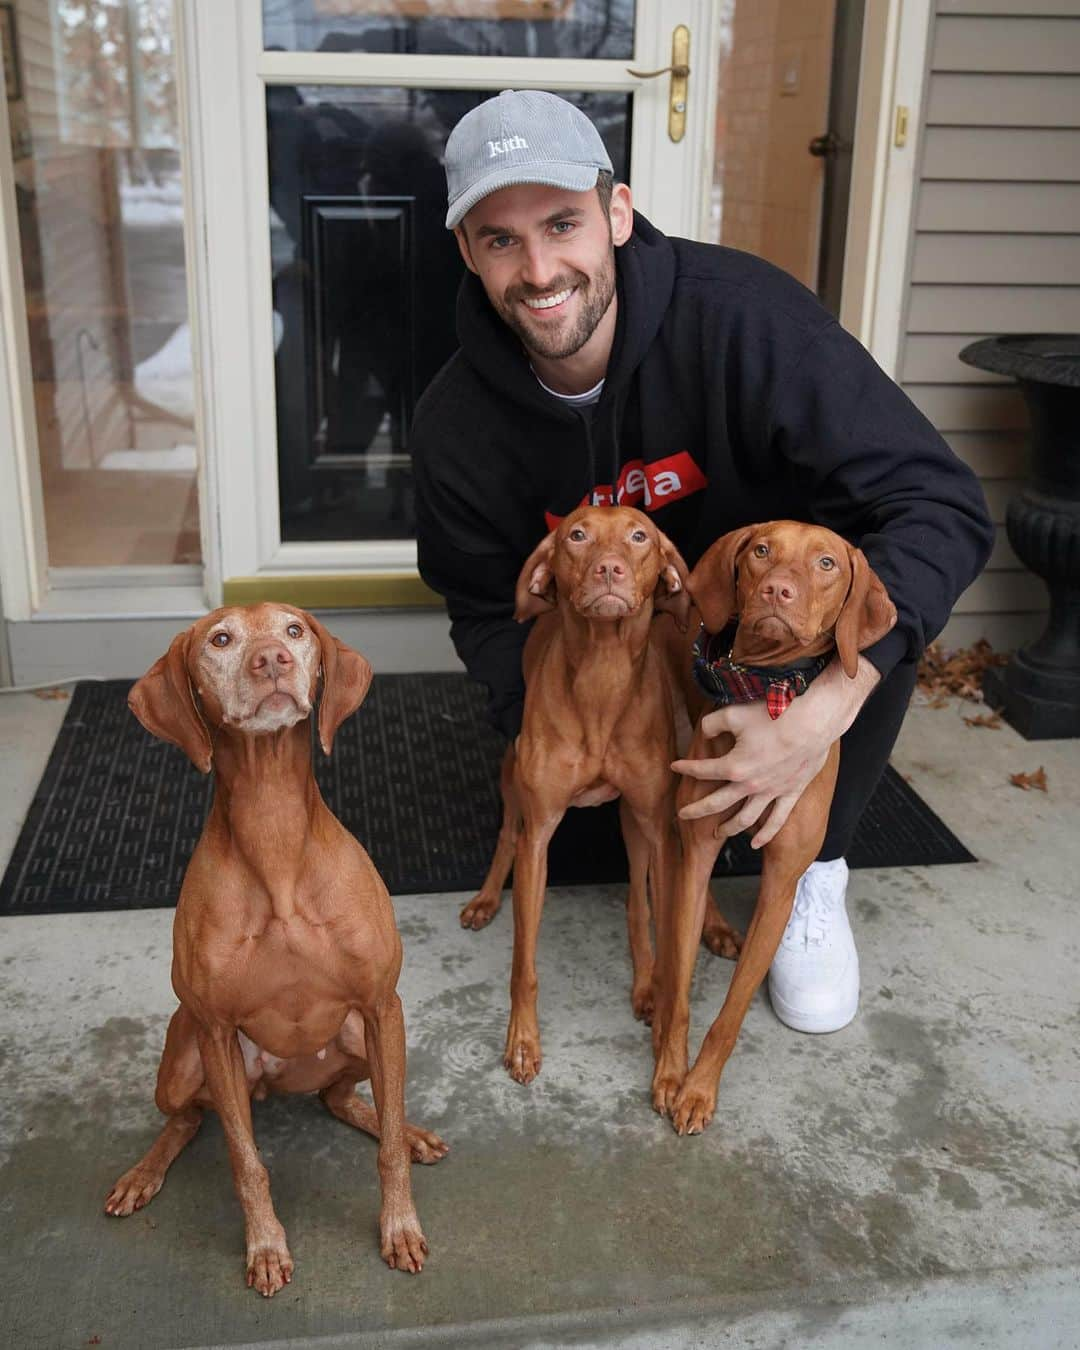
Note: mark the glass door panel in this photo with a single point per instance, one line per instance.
(95, 143)
(365, 276)
(597, 29)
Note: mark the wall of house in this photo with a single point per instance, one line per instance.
(996, 248)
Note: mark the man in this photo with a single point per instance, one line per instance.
(602, 361)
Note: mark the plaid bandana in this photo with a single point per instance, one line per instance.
(726, 681)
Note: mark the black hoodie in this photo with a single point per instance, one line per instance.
(731, 397)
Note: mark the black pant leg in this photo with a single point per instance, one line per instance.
(864, 753)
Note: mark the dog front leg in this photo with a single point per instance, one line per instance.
(784, 859)
(522, 1057)
(401, 1239)
(269, 1264)
(682, 922)
(483, 907)
(694, 1106)
(637, 914)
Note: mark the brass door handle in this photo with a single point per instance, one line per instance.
(679, 70)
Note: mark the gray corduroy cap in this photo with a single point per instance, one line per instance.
(521, 136)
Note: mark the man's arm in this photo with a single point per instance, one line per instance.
(775, 761)
(462, 557)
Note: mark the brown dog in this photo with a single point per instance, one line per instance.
(797, 590)
(285, 951)
(598, 724)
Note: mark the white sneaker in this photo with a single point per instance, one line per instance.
(814, 977)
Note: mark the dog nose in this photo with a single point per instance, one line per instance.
(778, 589)
(273, 658)
(611, 568)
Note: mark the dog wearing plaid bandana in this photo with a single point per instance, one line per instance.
(779, 602)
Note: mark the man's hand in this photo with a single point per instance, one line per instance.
(774, 761)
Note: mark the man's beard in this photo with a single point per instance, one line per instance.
(595, 296)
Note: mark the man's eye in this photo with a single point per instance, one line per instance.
(761, 551)
(828, 563)
(502, 241)
(294, 630)
(562, 227)
(220, 640)
(577, 535)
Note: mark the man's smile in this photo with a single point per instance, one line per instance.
(548, 302)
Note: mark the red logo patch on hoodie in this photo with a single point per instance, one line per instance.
(649, 486)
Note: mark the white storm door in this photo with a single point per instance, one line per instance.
(327, 281)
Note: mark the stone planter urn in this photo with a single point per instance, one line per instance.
(1039, 690)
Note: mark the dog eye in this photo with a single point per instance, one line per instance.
(577, 534)
(639, 537)
(761, 551)
(828, 563)
(220, 640)
(294, 630)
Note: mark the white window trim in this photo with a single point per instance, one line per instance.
(22, 513)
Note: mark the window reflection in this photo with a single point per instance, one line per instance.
(365, 283)
(96, 151)
(541, 28)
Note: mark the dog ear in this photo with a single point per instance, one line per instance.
(867, 615)
(712, 582)
(163, 702)
(671, 592)
(346, 680)
(535, 592)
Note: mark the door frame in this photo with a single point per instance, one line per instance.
(893, 75)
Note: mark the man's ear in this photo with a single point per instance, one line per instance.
(867, 615)
(671, 592)
(712, 582)
(163, 702)
(464, 249)
(346, 680)
(535, 592)
(621, 214)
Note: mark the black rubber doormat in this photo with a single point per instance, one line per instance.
(414, 775)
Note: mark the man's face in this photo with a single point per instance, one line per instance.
(546, 258)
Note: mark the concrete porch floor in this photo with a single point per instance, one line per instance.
(910, 1181)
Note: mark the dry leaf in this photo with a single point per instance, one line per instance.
(945, 674)
(991, 720)
(55, 693)
(1030, 780)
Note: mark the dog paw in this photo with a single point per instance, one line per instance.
(269, 1266)
(522, 1059)
(424, 1145)
(642, 1001)
(720, 938)
(665, 1089)
(402, 1243)
(134, 1190)
(480, 911)
(693, 1108)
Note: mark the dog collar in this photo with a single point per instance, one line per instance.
(727, 681)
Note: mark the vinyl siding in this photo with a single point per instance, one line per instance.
(996, 249)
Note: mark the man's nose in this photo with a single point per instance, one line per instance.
(538, 268)
(779, 588)
(270, 658)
